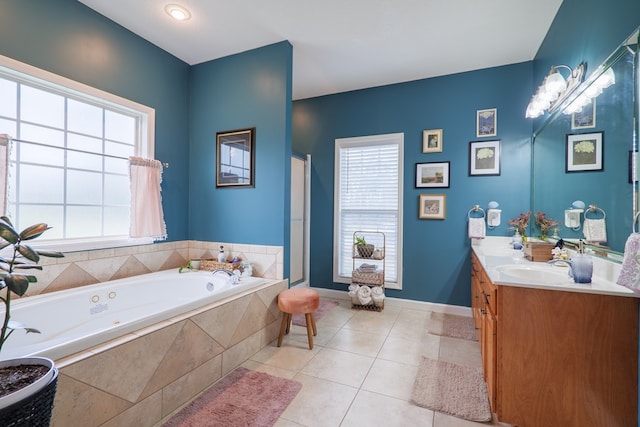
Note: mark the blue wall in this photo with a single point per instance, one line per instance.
(69, 39)
(585, 30)
(250, 89)
(436, 252)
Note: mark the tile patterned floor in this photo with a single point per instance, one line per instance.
(361, 369)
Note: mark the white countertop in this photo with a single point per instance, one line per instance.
(498, 257)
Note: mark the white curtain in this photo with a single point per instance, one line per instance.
(147, 218)
(4, 171)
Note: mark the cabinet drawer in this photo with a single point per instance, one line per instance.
(490, 292)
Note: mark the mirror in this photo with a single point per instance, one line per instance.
(235, 158)
(562, 174)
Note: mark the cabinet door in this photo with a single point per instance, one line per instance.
(489, 331)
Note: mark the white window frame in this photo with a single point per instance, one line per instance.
(28, 74)
(382, 139)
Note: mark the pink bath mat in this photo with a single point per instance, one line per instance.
(325, 307)
(242, 398)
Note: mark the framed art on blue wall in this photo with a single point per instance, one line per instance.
(487, 122)
(484, 157)
(432, 174)
(235, 158)
(433, 206)
(432, 141)
(585, 152)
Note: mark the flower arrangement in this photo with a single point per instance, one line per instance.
(545, 223)
(521, 222)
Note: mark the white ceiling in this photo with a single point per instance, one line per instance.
(342, 45)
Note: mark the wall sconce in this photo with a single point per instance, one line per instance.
(572, 215)
(554, 89)
(493, 215)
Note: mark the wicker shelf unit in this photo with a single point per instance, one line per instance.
(368, 269)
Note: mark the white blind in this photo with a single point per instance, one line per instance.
(368, 183)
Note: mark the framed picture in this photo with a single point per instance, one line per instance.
(235, 158)
(484, 157)
(432, 206)
(586, 118)
(432, 141)
(585, 152)
(487, 122)
(433, 174)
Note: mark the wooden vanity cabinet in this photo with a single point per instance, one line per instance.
(558, 358)
(484, 297)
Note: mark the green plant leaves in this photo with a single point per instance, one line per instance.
(8, 233)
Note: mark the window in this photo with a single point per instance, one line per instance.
(69, 166)
(368, 196)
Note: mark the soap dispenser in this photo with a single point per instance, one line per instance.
(222, 257)
(581, 266)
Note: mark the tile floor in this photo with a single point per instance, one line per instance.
(361, 369)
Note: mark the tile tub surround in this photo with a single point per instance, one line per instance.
(143, 378)
(90, 267)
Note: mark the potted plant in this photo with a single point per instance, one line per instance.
(22, 378)
(365, 250)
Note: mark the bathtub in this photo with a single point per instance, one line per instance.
(76, 319)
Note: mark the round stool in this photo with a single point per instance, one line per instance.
(298, 301)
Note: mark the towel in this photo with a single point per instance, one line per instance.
(630, 271)
(595, 230)
(477, 228)
(367, 268)
(377, 295)
(364, 295)
(353, 294)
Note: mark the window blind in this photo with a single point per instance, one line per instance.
(368, 197)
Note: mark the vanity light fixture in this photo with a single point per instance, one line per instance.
(554, 89)
(177, 12)
(594, 90)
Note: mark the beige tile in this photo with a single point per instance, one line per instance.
(408, 351)
(462, 352)
(372, 321)
(292, 355)
(183, 389)
(286, 423)
(338, 317)
(319, 403)
(144, 414)
(178, 362)
(75, 404)
(372, 409)
(124, 371)
(411, 324)
(366, 343)
(325, 334)
(391, 379)
(268, 369)
(234, 356)
(339, 366)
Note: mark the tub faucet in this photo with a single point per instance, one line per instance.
(233, 277)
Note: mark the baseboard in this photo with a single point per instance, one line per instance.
(403, 303)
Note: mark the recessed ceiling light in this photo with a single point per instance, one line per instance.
(177, 12)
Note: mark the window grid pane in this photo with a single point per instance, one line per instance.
(71, 191)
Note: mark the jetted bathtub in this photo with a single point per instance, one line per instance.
(77, 319)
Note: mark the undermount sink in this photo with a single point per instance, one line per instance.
(535, 273)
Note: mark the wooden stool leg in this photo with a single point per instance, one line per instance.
(283, 326)
(289, 316)
(309, 320)
(313, 323)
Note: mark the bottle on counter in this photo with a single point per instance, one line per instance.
(222, 256)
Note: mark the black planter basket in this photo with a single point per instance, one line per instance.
(33, 411)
